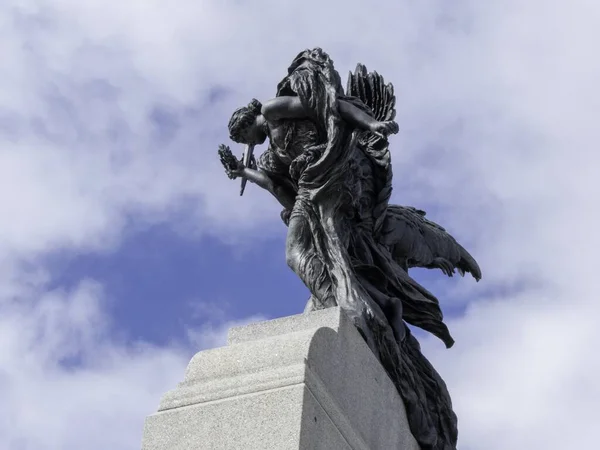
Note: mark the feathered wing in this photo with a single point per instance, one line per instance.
(372, 90)
(416, 241)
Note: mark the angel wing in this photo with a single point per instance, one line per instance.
(372, 90)
(418, 242)
(414, 240)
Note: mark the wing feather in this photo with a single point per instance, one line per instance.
(372, 90)
(418, 241)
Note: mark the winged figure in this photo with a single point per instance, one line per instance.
(328, 163)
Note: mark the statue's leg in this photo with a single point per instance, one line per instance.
(302, 258)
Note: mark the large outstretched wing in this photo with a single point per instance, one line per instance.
(416, 241)
(372, 90)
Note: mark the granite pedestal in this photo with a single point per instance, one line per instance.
(302, 382)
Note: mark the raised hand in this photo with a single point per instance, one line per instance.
(234, 168)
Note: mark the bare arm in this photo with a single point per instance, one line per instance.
(288, 107)
(262, 179)
(363, 121)
(235, 168)
(355, 116)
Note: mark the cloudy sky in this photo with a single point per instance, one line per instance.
(124, 249)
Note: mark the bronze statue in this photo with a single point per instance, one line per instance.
(328, 164)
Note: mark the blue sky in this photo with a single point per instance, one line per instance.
(164, 276)
(124, 248)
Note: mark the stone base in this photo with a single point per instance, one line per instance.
(302, 382)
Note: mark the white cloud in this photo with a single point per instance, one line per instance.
(523, 374)
(215, 323)
(210, 335)
(68, 383)
(497, 101)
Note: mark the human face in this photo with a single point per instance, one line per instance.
(254, 135)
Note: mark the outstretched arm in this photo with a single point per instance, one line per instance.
(361, 120)
(285, 107)
(288, 107)
(262, 179)
(235, 168)
(356, 116)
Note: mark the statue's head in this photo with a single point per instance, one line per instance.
(245, 126)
